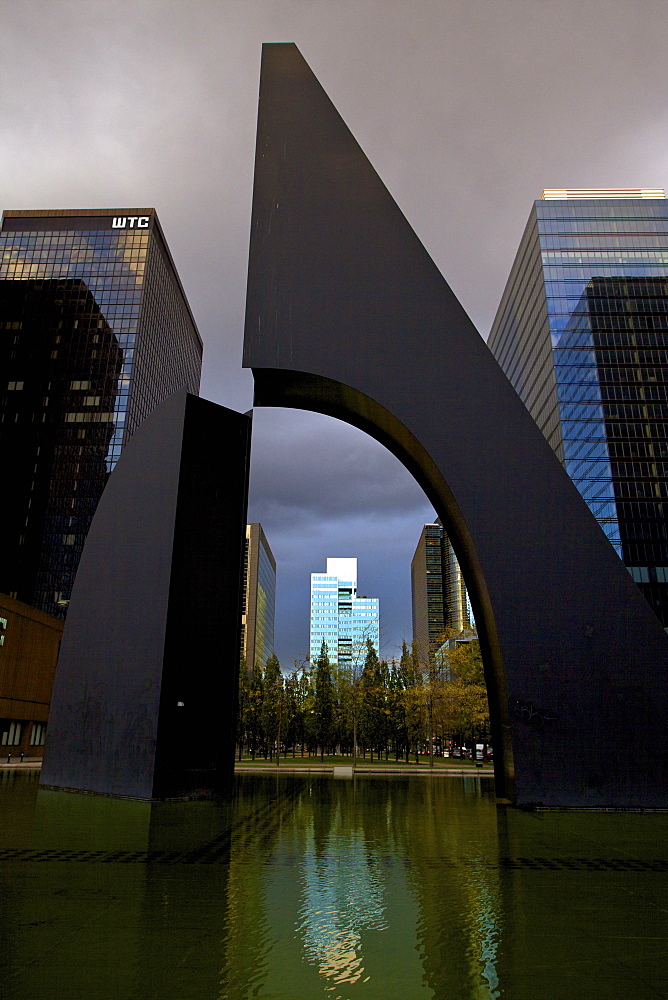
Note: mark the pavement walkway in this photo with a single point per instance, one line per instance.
(348, 771)
(13, 762)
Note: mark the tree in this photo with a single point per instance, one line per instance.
(372, 703)
(342, 732)
(323, 708)
(465, 662)
(255, 698)
(304, 708)
(290, 721)
(349, 679)
(396, 717)
(384, 706)
(413, 696)
(468, 681)
(242, 707)
(271, 702)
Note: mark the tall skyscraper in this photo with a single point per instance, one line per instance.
(438, 593)
(95, 332)
(582, 334)
(339, 617)
(258, 598)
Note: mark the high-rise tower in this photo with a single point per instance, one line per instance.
(339, 617)
(95, 332)
(258, 598)
(438, 593)
(582, 334)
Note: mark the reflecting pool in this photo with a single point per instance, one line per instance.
(298, 887)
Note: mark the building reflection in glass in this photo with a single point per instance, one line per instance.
(96, 332)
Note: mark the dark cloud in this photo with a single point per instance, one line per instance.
(321, 488)
(467, 109)
(352, 477)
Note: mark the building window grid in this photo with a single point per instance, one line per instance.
(111, 267)
(340, 619)
(614, 243)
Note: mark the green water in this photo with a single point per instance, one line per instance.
(301, 887)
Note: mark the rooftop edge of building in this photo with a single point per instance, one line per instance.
(566, 194)
(74, 213)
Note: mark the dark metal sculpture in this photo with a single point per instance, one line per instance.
(145, 696)
(348, 315)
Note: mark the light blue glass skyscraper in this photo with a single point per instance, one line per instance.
(339, 617)
(582, 334)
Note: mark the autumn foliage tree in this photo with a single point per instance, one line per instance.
(406, 707)
(468, 704)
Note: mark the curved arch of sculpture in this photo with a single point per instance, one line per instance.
(347, 315)
(334, 399)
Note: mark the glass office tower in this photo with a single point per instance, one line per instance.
(438, 592)
(95, 331)
(258, 606)
(340, 618)
(582, 334)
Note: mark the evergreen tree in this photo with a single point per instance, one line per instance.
(341, 716)
(290, 723)
(323, 708)
(384, 707)
(397, 720)
(372, 702)
(354, 693)
(402, 684)
(271, 702)
(304, 694)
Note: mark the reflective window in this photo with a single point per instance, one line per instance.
(104, 334)
(581, 333)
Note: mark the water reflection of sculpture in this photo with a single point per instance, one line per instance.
(454, 869)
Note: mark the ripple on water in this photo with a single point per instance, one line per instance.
(359, 890)
(341, 897)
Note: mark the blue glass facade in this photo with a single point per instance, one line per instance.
(96, 331)
(339, 617)
(582, 333)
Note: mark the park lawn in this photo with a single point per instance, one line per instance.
(343, 760)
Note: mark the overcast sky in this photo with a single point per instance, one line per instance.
(466, 108)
